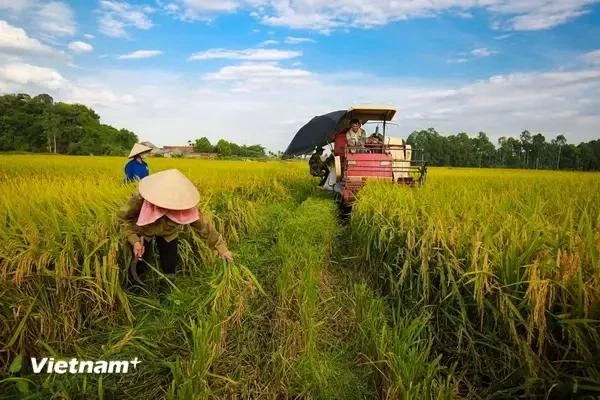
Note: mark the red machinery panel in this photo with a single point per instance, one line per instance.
(363, 166)
(369, 165)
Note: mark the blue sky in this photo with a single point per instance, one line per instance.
(254, 71)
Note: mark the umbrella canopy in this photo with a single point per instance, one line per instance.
(317, 132)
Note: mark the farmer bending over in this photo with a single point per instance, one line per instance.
(164, 203)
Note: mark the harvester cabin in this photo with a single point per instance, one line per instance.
(363, 114)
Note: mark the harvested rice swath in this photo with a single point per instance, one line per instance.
(231, 287)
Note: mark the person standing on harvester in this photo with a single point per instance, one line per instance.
(164, 203)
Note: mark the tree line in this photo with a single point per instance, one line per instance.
(526, 151)
(225, 148)
(38, 124)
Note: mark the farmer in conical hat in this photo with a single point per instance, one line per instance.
(163, 204)
(137, 168)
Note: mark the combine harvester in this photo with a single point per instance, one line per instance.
(387, 159)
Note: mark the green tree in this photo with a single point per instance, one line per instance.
(203, 145)
(51, 131)
(256, 150)
(538, 142)
(223, 147)
(485, 150)
(431, 146)
(559, 142)
(39, 124)
(505, 151)
(526, 144)
(44, 98)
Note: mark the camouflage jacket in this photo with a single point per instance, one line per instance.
(316, 164)
(164, 227)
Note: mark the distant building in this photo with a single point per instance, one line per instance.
(169, 151)
(184, 151)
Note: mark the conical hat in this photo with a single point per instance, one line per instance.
(139, 148)
(169, 189)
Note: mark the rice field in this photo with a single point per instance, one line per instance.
(483, 284)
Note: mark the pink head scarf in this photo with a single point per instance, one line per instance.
(151, 213)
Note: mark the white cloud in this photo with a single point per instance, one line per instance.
(172, 7)
(24, 77)
(97, 95)
(268, 94)
(483, 52)
(326, 15)
(593, 57)
(258, 71)
(14, 5)
(55, 18)
(116, 16)
(140, 54)
(279, 99)
(464, 57)
(50, 19)
(23, 74)
(247, 54)
(15, 40)
(460, 60)
(322, 20)
(268, 43)
(89, 36)
(298, 40)
(464, 14)
(80, 47)
(190, 10)
(540, 14)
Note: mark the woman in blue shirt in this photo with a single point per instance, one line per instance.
(137, 168)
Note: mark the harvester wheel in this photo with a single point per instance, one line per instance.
(344, 209)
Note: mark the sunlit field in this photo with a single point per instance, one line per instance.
(482, 284)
